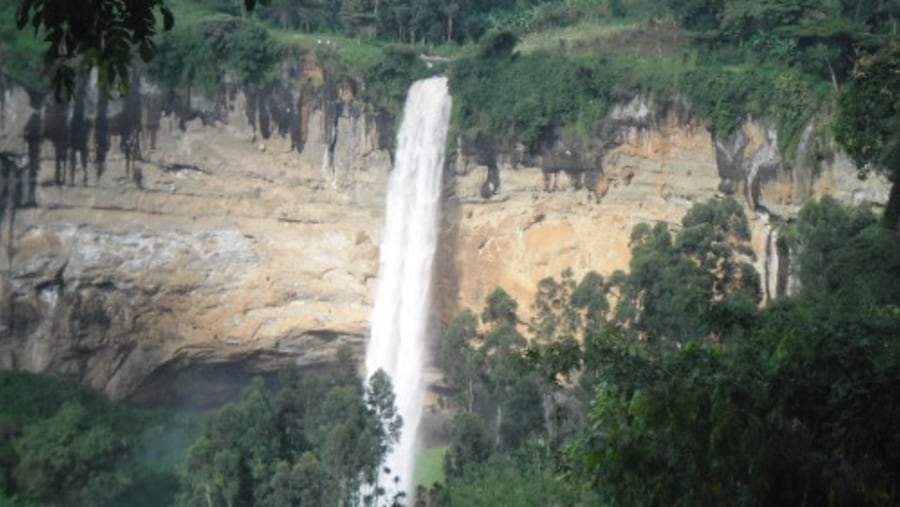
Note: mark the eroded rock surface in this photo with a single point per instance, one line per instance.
(656, 164)
(230, 250)
(224, 252)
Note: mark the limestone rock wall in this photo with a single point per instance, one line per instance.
(566, 208)
(245, 233)
(218, 246)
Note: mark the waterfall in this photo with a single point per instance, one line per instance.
(399, 318)
(772, 265)
(790, 281)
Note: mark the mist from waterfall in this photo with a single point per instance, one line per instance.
(399, 318)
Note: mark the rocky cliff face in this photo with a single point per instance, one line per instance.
(220, 252)
(572, 208)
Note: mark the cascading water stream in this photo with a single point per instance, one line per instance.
(772, 265)
(399, 318)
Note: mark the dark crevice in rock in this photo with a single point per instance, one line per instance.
(79, 131)
(56, 283)
(201, 379)
(11, 192)
(252, 105)
(331, 106)
(281, 110)
(785, 266)
(101, 135)
(265, 120)
(324, 334)
(32, 135)
(181, 384)
(3, 88)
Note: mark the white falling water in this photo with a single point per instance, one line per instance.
(772, 264)
(397, 341)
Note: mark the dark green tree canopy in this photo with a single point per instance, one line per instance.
(101, 34)
(869, 111)
(868, 120)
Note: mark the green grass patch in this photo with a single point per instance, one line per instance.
(353, 52)
(187, 12)
(431, 466)
(555, 39)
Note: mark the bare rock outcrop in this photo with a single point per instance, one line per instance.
(654, 165)
(228, 250)
(245, 235)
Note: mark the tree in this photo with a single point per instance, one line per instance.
(315, 442)
(500, 308)
(715, 235)
(697, 14)
(492, 372)
(61, 444)
(185, 61)
(380, 399)
(590, 297)
(509, 481)
(842, 257)
(457, 357)
(764, 414)
(510, 385)
(87, 34)
(237, 450)
(304, 483)
(868, 120)
(307, 15)
(678, 287)
(555, 326)
(392, 19)
(358, 17)
(214, 474)
(470, 444)
(664, 297)
(743, 18)
(73, 458)
(764, 423)
(793, 404)
(555, 318)
(104, 34)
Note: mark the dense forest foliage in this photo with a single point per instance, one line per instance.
(668, 385)
(731, 59)
(533, 72)
(311, 439)
(529, 71)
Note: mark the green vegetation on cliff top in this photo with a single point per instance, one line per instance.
(778, 60)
